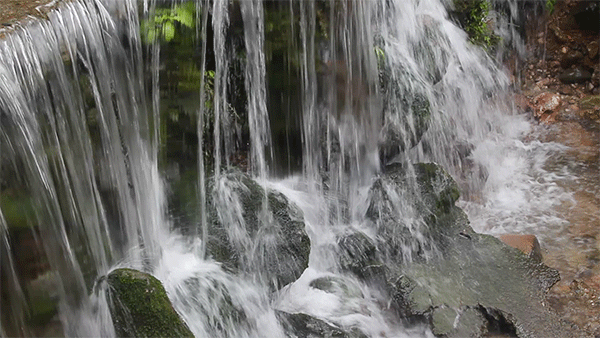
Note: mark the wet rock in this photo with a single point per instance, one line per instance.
(357, 251)
(469, 276)
(590, 102)
(406, 113)
(575, 75)
(596, 78)
(545, 103)
(268, 240)
(435, 193)
(528, 244)
(338, 286)
(140, 307)
(464, 270)
(570, 58)
(300, 325)
(448, 322)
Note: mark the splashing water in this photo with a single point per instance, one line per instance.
(83, 133)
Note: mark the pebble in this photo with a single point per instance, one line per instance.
(592, 49)
(575, 75)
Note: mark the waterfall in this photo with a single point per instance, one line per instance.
(75, 123)
(124, 127)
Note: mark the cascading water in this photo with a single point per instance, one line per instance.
(95, 115)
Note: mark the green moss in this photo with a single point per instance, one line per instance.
(550, 6)
(17, 209)
(474, 18)
(435, 181)
(140, 306)
(590, 102)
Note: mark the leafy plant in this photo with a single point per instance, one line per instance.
(163, 25)
(550, 4)
(475, 21)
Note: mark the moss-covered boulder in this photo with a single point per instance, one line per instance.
(140, 307)
(256, 230)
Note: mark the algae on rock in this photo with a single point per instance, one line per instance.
(140, 307)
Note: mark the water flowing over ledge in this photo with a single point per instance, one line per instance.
(241, 162)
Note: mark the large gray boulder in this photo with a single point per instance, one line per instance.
(437, 270)
(256, 231)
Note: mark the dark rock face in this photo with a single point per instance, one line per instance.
(403, 128)
(435, 192)
(300, 325)
(587, 15)
(258, 234)
(140, 307)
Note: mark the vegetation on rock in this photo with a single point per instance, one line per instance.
(140, 307)
(473, 15)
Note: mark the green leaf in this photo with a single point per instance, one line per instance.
(186, 14)
(168, 31)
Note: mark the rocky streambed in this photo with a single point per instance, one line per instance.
(560, 87)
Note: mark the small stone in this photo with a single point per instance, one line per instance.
(592, 49)
(545, 103)
(560, 35)
(570, 58)
(528, 244)
(575, 75)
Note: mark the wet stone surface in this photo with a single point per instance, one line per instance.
(565, 64)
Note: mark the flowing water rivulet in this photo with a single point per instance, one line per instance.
(126, 129)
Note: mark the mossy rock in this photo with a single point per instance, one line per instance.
(590, 102)
(255, 230)
(140, 307)
(17, 209)
(473, 17)
(430, 193)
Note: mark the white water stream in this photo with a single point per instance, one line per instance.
(92, 172)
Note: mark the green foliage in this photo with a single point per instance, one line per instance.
(163, 25)
(475, 21)
(550, 6)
